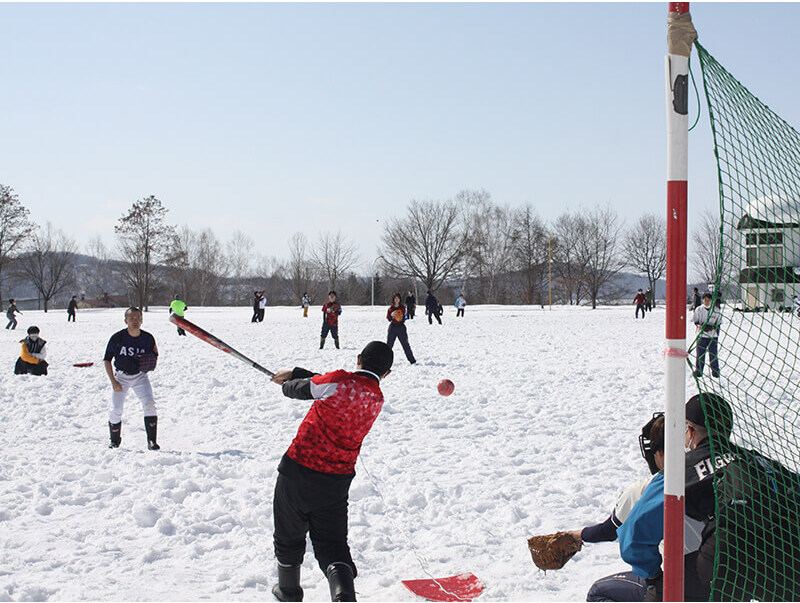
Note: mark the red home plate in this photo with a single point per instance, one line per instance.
(464, 587)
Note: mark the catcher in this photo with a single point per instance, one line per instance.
(396, 315)
(554, 550)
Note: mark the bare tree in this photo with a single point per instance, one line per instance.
(201, 265)
(300, 271)
(15, 227)
(240, 261)
(706, 240)
(427, 244)
(598, 249)
(95, 279)
(489, 248)
(333, 256)
(569, 272)
(529, 244)
(49, 262)
(144, 239)
(645, 248)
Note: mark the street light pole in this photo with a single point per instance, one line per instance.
(372, 275)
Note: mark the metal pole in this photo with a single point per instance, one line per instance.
(677, 71)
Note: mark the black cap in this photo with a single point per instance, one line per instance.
(33, 329)
(377, 357)
(711, 411)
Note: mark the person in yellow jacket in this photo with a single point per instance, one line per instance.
(32, 357)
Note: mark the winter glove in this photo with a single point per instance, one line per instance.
(709, 328)
(655, 588)
(552, 551)
(147, 362)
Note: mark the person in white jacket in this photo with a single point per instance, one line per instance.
(461, 303)
(708, 319)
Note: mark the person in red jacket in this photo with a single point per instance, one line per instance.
(330, 320)
(396, 315)
(640, 300)
(314, 475)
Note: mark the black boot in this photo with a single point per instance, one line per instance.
(321, 342)
(340, 580)
(336, 342)
(115, 429)
(288, 586)
(151, 427)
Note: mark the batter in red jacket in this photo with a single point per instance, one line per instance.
(314, 475)
(330, 320)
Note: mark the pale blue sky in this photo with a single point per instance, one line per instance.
(277, 118)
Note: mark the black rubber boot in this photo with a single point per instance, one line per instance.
(151, 427)
(288, 586)
(321, 342)
(336, 342)
(115, 429)
(340, 581)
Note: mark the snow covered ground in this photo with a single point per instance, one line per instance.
(539, 435)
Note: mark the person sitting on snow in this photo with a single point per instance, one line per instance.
(31, 359)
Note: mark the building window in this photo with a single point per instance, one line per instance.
(764, 238)
(758, 257)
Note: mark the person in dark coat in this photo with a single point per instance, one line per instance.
(411, 305)
(31, 359)
(256, 306)
(396, 315)
(433, 309)
(73, 305)
(640, 301)
(697, 301)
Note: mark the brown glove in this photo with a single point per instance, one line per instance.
(552, 551)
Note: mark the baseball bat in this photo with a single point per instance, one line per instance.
(201, 333)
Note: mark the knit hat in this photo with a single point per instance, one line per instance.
(711, 411)
(377, 357)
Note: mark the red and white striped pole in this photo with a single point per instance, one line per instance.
(677, 68)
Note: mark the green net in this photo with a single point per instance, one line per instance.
(756, 278)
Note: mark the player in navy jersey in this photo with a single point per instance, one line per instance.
(134, 353)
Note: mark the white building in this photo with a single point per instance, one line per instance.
(769, 271)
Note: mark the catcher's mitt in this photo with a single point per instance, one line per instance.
(397, 315)
(552, 551)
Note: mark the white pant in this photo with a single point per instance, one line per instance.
(140, 383)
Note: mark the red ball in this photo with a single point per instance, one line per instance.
(445, 387)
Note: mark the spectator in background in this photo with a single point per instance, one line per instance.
(71, 308)
(461, 303)
(433, 308)
(640, 302)
(411, 305)
(306, 302)
(708, 320)
(12, 309)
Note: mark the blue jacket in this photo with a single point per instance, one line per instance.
(643, 530)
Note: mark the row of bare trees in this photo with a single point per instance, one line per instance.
(493, 253)
(500, 254)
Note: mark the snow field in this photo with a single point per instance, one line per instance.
(539, 435)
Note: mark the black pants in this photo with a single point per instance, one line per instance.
(411, 310)
(707, 344)
(255, 315)
(28, 368)
(397, 330)
(640, 307)
(71, 316)
(431, 316)
(329, 328)
(624, 586)
(314, 503)
(12, 323)
(460, 312)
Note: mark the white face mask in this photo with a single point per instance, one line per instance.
(33, 337)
